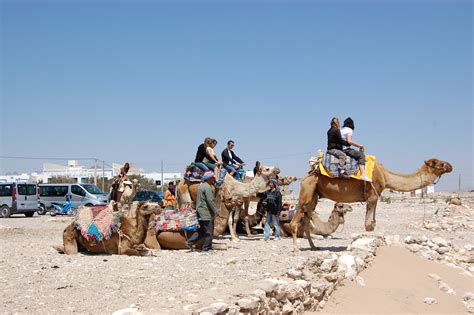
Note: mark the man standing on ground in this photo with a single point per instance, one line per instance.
(206, 210)
(272, 200)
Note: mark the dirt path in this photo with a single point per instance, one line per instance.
(398, 282)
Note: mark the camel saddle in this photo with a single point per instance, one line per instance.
(184, 219)
(330, 167)
(286, 215)
(97, 223)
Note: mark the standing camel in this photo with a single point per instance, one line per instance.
(349, 190)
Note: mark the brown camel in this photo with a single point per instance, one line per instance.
(233, 190)
(319, 227)
(350, 190)
(127, 241)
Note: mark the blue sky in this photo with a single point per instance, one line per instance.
(142, 81)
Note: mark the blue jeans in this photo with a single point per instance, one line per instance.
(211, 166)
(202, 166)
(267, 229)
(233, 169)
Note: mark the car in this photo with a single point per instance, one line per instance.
(80, 195)
(149, 195)
(18, 198)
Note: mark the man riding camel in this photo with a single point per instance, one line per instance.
(232, 163)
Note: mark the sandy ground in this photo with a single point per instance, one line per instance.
(36, 279)
(399, 282)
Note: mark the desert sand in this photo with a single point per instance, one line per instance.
(36, 279)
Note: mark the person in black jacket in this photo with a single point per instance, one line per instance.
(201, 154)
(335, 143)
(232, 162)
(272, 201)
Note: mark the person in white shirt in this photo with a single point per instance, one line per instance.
(346, 133)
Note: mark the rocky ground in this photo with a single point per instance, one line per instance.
(251, 275)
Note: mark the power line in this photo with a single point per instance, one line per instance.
(45, 158)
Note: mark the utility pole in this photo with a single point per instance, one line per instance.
(162, 183)
(459, 185)
(95, 172)
(103, 175)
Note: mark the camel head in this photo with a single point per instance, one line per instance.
(146, 208)
(341, 209)
(438, 167)
(268, 172)
(287, 180)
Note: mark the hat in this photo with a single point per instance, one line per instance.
(208, 175)
(273, 181)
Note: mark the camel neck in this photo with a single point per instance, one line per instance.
(408, 182)
(326, 228)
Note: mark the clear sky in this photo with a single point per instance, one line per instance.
(142, 81)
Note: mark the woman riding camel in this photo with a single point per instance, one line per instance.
(346, 133)
(202, 154)
(335, 143)
(211, 160)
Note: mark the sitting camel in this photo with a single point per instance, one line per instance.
(127, 241)
(319, 227)
(177, 240)
(350, 190)
(232, 189)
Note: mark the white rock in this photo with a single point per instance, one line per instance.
(349, 262)
(366, 243)
(295, 274)
(215, 308)
(441, 242)
(442, 250)
(231, 261)
(360, 281)
(468, 297)
(443, 286)
(288, 308)
(430, 301)
(317, 289)
(248, 304)
(434, 276)
(260, 294)
(328, 265)
(127, 311)
(268, 285)
(294, 291)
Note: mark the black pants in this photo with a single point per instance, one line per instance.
(206, 231)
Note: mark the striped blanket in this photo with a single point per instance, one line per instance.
(97, 223)
(193, 174)
(178, 220)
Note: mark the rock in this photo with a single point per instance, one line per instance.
(322, 304)
(442, 250)
(349, 263)
(392, 239)
(434, 276)
(127, 311)
(455, 201)
(273, 304)
(288, 308)
(295, 274)
(215, 308)
(280, 292)
(329, 265)
(294, 291)
(260, 294)
(248, 304)
(308, 301)
(441, 242)
(445, 288)
(366, 243)
(468, 297)
(360, 281)
(317, 289)
(268, 285)
(430, 301)
(231, 261)
(233, 310)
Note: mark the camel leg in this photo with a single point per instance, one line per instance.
(307, 230)
(370, 213)
(69, 241)
(230, 223)
(246, 218)
(235, 221)
(307, 203)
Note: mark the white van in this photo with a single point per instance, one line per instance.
(80, 195)
(18, 198)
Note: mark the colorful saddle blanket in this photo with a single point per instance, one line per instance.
(193, 173)
(330, 167)
(178, 220)
(97, 223)
(286, 216)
